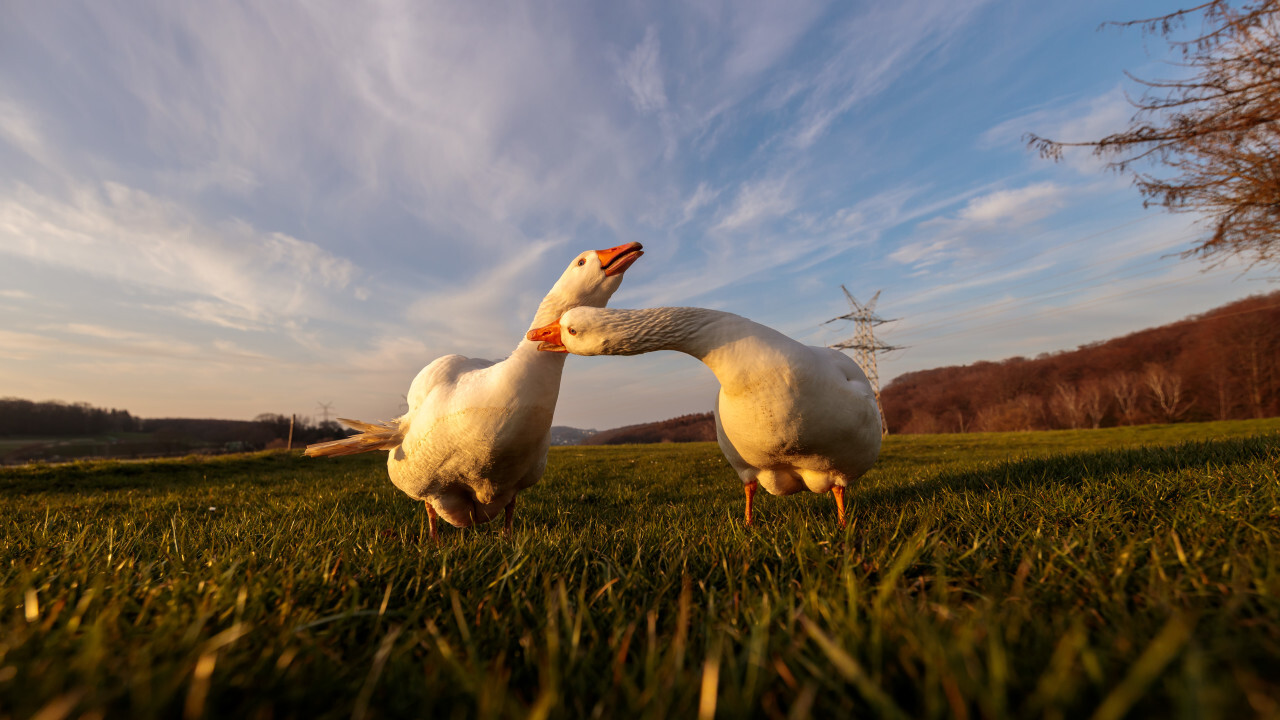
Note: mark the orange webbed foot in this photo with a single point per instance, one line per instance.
(431, 522)
(838, 491)
(750, 488)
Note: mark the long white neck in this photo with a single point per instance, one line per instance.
(557, 302)
(549, 310)
(731, 345)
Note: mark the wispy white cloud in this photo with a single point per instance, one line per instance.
(1080, 120)
(641, 74)
(1028, 325)
(983, 220)
(763, 33)
(217, 271)
(758, 202)
(792, 250)
(480, 121)
(230, 349)
(98, 331)
(1036, 302)
(475, 316)
(19, 129)
(934, 295)
(922, 253)
(702, 197)
(876, 46)
(389, 355)
(214, 312)
(350, 191)
(100, 340)
(24, 345)
(1014, 207)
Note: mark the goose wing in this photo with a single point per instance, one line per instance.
(846, 366)
(443, 372)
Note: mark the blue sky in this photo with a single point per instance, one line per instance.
(223, 209)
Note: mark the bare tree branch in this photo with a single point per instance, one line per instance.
(1207, 144)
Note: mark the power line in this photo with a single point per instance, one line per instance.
(864, 343)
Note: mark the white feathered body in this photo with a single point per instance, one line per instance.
(795, 417)
(788, 415)
(476, 433)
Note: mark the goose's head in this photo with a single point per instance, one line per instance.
(581, 331)
(593, 276)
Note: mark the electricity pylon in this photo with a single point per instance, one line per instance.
(324, 409)
(864, 343)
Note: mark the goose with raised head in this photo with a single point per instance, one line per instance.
(477, 431)
(788, 416)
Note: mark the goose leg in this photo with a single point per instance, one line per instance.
(750, 489)
(431, 521)
(838, 491)
(508, 513)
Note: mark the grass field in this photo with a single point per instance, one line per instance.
(23, 449)
(1109, 573)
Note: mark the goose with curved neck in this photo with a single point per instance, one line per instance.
(788, 416)
(477, 431)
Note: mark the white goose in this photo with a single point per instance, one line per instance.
(477, 431)
(788, 416)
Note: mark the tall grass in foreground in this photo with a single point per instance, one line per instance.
(1068, 574)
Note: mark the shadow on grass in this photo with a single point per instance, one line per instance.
(1076, 468)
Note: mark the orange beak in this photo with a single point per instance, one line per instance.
(549, 335)
(616, 260)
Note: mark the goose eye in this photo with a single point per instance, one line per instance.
(572, 331)
(582, 261)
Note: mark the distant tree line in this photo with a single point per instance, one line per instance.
(267, 430)
(698, 427)
(1224, 364)
(304, 431)
(61, 430)
(59, 419)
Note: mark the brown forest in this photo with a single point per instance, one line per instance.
(1223, 364)
(686, 428)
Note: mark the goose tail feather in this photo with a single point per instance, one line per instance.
(372, 436)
